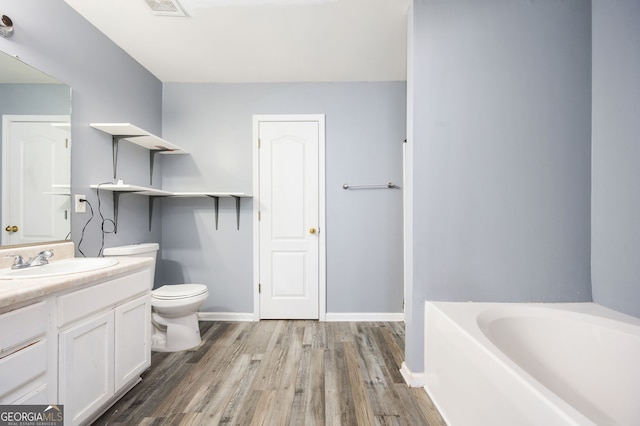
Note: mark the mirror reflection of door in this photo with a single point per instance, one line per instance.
(36, 201)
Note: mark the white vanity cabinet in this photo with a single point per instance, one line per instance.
(26, 351)
(86, 367)
(132, 340)
(104, 343)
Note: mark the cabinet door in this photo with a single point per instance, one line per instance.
(133, 340)
(86, 367)
(23, 371)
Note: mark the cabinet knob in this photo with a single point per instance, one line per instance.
(11, 228)
(312, 231)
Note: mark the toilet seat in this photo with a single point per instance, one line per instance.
(178, 291)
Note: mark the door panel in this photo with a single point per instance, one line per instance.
(288, 276)
(289, 210)
(36, 180)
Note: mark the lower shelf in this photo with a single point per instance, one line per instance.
(153, 194)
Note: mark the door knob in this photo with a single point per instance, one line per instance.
(11, 228)
(312, 230)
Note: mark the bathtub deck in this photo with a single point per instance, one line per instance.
(280, 372)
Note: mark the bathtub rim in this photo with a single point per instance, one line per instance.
(464, 318)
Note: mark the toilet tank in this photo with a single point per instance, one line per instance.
(136, 250)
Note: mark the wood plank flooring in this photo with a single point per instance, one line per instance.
(280, 373)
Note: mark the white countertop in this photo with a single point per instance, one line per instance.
(20, 291)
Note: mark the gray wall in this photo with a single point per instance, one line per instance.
(615, 259)
(37, 99)
(107, 86)
(501, 153)
(501, 150)
(365, 127)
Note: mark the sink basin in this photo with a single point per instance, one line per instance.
(60, 267)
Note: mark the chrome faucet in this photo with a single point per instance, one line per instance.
(40, 259)
(18, 262)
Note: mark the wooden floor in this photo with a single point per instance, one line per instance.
(280, 373)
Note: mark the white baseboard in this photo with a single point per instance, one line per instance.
(414, 380)
(226, 316)
(330, 317)
(364, 317)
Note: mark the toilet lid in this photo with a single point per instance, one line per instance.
(178, 291)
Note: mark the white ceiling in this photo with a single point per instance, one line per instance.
(272, 41)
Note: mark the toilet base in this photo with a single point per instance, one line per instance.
(175, 334)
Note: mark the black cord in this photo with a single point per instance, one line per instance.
(85, 227)
(103, 220)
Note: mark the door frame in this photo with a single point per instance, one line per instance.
(322, 239)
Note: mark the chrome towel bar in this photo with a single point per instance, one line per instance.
(372, 186)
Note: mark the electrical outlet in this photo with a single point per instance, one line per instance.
(80, 206)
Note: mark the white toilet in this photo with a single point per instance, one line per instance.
(174, 307)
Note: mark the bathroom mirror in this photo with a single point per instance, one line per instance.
(35, 117)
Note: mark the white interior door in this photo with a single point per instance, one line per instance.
(35, 179)
(289, 219)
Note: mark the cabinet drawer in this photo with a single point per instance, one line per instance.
(22, 326)
(37, 396)
(100, 297)
(21, 367)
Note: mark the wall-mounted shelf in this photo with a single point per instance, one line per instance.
(216, 200)
(154, 193)
(138, 136)
(119, 189)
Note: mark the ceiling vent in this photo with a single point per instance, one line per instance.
(166, 7)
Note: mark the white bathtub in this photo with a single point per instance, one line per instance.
(532, 364)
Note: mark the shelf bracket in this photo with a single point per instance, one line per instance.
(152, 156)
(216, 205)
(115, 140)
(116, 201)
(116, 205)
(152, 200)
(237, 212)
